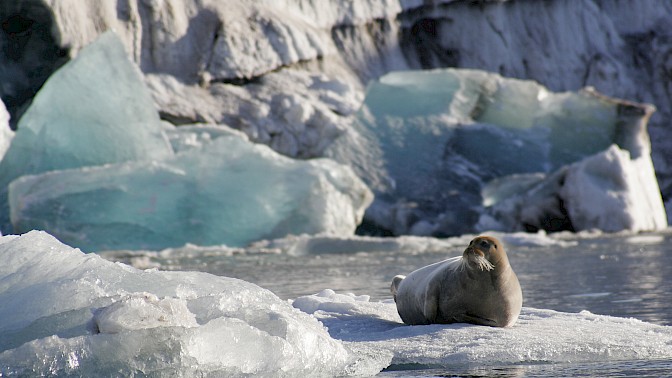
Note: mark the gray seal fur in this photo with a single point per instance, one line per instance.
(479, 287)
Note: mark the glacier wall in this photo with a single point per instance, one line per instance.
(291, 74)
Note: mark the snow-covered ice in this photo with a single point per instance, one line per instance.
(94, 110)
(68, 313)
(65, 312)
(539, 336)
(609, 191)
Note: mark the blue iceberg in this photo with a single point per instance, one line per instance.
(94, 110)
(93, 164)
(440, 148)
(229, 191)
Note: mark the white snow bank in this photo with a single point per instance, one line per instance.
(68, 313)
(539, 336)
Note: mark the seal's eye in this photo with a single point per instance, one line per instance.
(484, 244)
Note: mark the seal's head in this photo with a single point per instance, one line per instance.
(484, 253)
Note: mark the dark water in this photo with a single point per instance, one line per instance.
(625, 276)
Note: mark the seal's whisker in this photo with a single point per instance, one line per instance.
(484, 264)
(457, 264)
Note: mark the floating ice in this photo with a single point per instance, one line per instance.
(229, 191)
(94, 110)
(428, 142)
(305, 245)
(321, 244)
(539, 336)
(67, 313)
(219, 188)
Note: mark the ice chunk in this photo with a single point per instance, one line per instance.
(539, 336)
(230, 192)
(428, 142)
(67, 313)
(94, 110)
(608, 191)
(611, 192)
(142, 311)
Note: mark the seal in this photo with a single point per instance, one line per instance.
(479, 287)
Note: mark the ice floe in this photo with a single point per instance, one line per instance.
(68, 313)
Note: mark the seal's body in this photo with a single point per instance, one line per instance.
(479, 288)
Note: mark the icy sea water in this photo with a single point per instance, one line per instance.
(617, 275)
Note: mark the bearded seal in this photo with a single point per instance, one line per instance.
(478, 287)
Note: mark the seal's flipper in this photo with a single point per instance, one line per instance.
(474, 319)
(395, 285)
